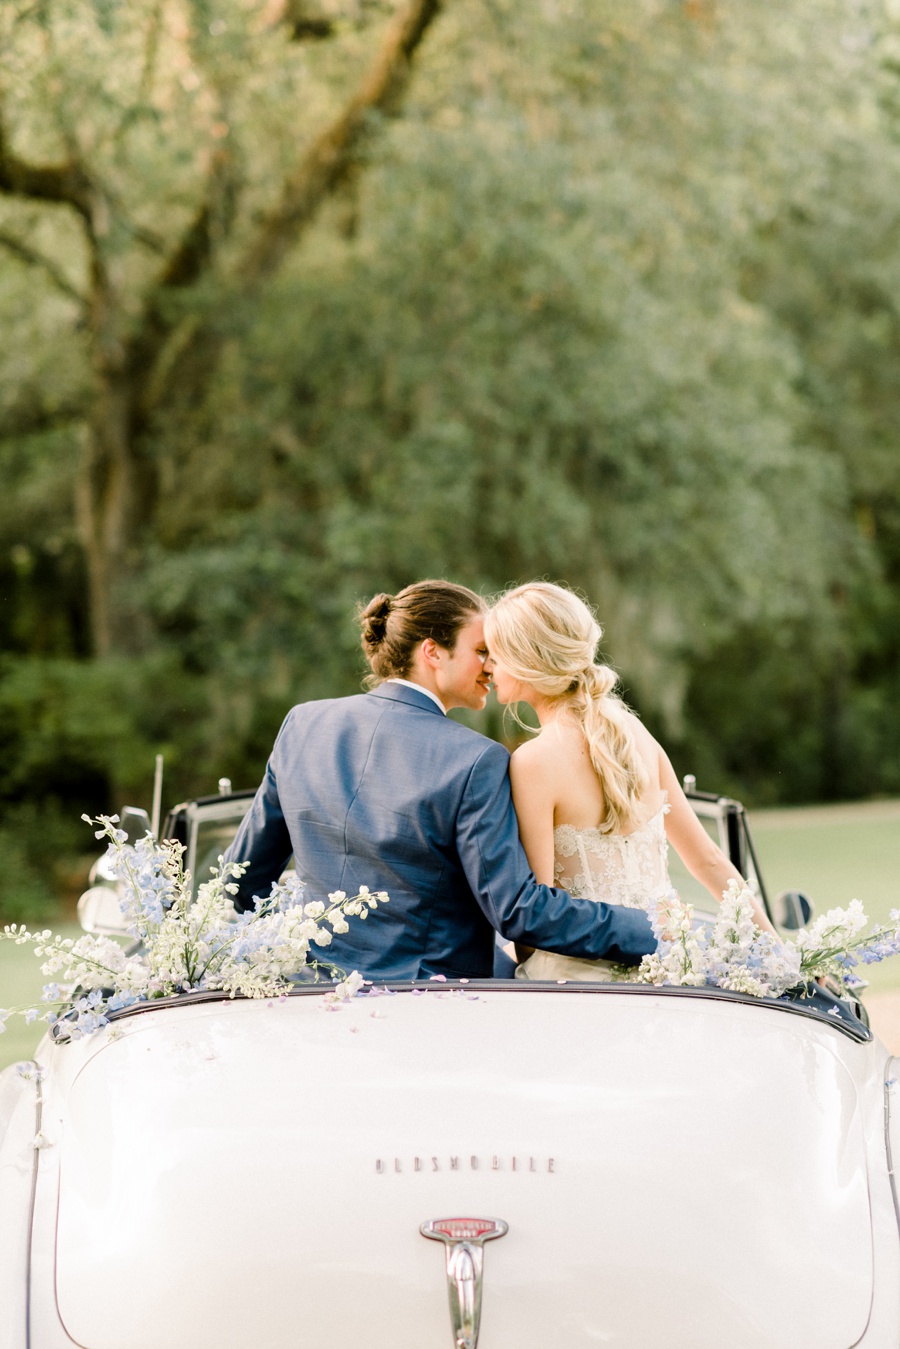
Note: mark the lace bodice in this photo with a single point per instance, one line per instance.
(629, 869)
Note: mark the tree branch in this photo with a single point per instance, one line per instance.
(33, 258)
(185, 266)
(151, 52)
(327, 165)
(330, 159)
(31, 417)
(65, 182)
(307, 21)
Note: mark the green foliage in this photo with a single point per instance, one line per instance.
(41, 846)
(613, 301)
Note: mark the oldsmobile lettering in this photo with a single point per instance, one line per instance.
(473, 1162)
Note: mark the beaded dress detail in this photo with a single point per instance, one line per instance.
(627, 869)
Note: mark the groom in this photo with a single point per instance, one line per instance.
(382, 789)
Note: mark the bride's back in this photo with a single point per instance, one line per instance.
(560, 753)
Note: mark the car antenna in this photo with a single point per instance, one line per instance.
(157, 796)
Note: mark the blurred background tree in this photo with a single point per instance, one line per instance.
(304, 301)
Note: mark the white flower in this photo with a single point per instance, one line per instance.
(344, 991)
(836, 928)
(742, 981)
(186, 943)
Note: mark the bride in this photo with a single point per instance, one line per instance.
(597, 798)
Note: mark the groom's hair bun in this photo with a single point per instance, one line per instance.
(394, 625)
(374, 619)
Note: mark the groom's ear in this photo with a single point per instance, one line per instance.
(431, 653)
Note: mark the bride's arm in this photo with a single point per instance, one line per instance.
(703, 858)
(534, 800)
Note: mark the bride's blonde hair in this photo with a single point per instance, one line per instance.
(547, 637)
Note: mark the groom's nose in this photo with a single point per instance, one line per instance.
(488, 664)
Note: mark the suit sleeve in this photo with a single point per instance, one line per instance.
(263, 839)
(504, 886)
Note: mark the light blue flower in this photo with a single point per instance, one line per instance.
(120, 1000)
(32, 1072)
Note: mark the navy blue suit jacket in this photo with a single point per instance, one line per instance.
(380, 789)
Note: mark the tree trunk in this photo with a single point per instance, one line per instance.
(106, 510)
(139, 362)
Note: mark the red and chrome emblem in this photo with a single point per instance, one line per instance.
(464, 1240)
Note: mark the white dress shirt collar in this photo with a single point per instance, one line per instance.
(428, 694)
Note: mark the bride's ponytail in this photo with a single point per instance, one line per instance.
(611, 746)
(547, 637)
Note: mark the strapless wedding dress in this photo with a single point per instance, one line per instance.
(627, 869)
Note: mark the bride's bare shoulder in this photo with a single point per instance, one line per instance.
(648, 747)
(554, 748)
(527, 754)
(640, 732)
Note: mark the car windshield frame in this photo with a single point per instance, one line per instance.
(185, 821)
(732, 834)
(728, 817)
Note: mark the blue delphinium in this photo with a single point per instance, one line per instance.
(186, 943)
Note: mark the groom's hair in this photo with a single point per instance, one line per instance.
(394, 625)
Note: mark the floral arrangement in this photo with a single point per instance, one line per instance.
(185, 943)
(731, 952)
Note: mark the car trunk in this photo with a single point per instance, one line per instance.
(674, 1172)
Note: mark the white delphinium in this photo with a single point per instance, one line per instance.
(836, 929)
(186, 943)
(679, 957)
(730, 953)
(840, 939)
(741, 957)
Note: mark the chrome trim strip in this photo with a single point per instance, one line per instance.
(38, 1116)
(888, 1078)
(464, 1240)
(854, 1029)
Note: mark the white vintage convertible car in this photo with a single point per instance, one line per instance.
(510, 1164)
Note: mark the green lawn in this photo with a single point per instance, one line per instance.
(21, 982)
(831, 853)
(835, 854)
